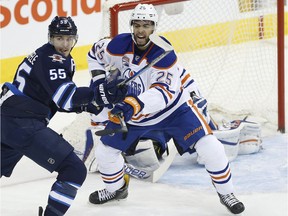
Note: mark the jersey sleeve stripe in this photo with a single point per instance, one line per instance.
(163, 94)
(68, 102)
(98, 77)
(62, 94)
(185, 78)
(161, 87)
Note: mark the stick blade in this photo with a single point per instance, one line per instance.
(105, 132)
(164, 164)
(156, 39)
(111, 131)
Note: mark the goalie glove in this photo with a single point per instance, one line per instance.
(131, 105)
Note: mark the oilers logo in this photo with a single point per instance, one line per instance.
(136, 86)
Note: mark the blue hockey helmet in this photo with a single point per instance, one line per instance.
(62, 26)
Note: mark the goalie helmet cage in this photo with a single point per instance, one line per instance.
(233, 49)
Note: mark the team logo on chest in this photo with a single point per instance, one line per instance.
(57, 58)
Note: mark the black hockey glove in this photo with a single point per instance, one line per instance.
(91, 108)
(109, 93)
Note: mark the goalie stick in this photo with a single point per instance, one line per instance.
(164, 163)
(157, 40)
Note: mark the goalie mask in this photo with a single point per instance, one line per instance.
(143, 12)
(62, 26)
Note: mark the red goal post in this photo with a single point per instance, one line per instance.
(233, 49)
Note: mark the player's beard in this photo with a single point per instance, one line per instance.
(142, 42)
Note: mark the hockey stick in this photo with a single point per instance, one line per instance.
(111, 131)
(164, 163)
(157, 40)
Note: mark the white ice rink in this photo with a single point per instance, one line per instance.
(185, 189)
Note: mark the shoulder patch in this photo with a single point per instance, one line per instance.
(32, 57)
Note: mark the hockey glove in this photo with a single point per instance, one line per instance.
(92, 109)
(129, 107)
(109, 93)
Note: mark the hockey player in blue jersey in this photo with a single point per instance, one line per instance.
(42, 86)
(155, 101)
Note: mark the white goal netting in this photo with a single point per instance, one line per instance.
(229, 47)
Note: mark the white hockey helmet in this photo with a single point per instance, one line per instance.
(145, 12)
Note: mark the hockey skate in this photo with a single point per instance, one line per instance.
(103, 196)
(232, 203)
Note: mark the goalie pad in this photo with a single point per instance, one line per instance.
(249, 135)
(143, 162)
(238, 137)
(87, 152)
(84, 153)
(250, 138)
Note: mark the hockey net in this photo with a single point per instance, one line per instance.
(229, 47)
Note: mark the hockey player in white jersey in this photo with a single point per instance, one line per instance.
(156, 101)
(237, 136)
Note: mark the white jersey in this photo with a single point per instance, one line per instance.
(160, 88)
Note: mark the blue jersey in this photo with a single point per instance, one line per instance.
(43, 85)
